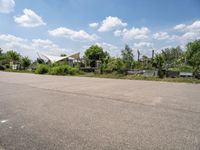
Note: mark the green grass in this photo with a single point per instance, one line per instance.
(128, 77)
(139, 77)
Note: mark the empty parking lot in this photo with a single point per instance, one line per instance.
(40, 112)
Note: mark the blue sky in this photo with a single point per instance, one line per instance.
(68, 26)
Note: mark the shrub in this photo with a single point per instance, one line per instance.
(42, 69)
(63, 70)
(73, 71)
(2, 67)
(183, 68)
(58, 70)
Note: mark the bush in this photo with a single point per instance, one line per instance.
(73, 71)
(42, 69)
(58, 70)
(2, 67)
(183, 68)
(63, 70)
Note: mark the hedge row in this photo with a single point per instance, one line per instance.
(57, 70)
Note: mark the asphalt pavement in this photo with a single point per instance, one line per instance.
(43, 112)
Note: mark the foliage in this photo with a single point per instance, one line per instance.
(115, 65)
(63, 55)
(93, 54)
(193, 54)
(13, 56)
(42, 69)
(2, 67)
(63, 70)
(25, 62)
(172, 56)
(182, 68)
(40, 61)
(140, 77)
(158, 63)
(127, 57)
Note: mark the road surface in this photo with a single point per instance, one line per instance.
(41, 112)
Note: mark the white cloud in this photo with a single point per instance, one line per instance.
(134, 33)
(73, 35)
(110, 48)
(6, 6)
(94, 25)
(12, 38)
(194, 27)
(30, 47)
(117, 33)
(47, 46)
(145, 48)
(143, 45)
(161, 36)
(107, 46)
(180, 27)
(111, 23)
(188, 36)
(29, 19)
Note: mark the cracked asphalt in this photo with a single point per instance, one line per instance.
(41, 112)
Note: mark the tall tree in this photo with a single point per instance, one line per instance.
(95, 53)
(158, 63)
(193, 54)
(13, 56)
(127, 57)
(172, 55)
(25, 62)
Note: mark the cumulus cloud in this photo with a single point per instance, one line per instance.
(134, 33)
(80, 35)
(145, 48)
(94, 25)
(180, 27)
(188, 36)
(29, 19)
(112, 49)
(194, 27)
(111, 23)
(29, 47)
(6, 6)
(161, 36)
(143, 45)
(190, 32)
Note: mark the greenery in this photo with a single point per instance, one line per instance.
(140, 77)
(25, 62)
(93, 54)
(127, 57)
(193, 54)
(42, 69)
(170, 59)
(63, 69)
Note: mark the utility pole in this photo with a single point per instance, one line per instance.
(152, 54)
(138, 55)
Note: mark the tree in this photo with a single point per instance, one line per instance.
(115, 64)
(172, 56)
(40, 61)
(1, 51)
(63, 55)
(25, 62)
(13, 56)
(193, 54)
(158, 63)
(127, 57)
(95, 53)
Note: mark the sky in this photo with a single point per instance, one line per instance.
(67, 26)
